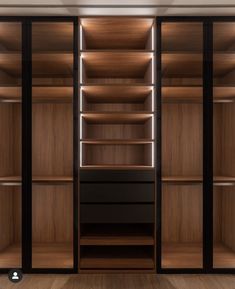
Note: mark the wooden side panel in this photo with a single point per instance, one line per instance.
(52, 139)
(182, 151)
(52, 208)
(182, 213)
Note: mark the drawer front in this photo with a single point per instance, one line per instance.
(117, 175)
(116, 192)
(97, 213)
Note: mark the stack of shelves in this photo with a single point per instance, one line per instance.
(117, 116)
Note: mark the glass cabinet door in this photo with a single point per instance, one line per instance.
(224, 144)
(52, 145)
(182, 145)
(10, 144)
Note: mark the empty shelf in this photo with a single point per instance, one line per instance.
(182, 255)
(11, 180)
(223, 257)
(218, 180)
(10, 257)
(129, 34)
(52, 255)
(115, 234)
(116, 258)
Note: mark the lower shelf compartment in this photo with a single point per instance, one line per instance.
(190, 255)
(44, 255)
(182, 255)
(128, 257)
(117, 234)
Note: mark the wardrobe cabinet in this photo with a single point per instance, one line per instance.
(117, 146)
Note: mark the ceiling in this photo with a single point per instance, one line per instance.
(120, 7)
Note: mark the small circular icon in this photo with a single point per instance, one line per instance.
(15, 275)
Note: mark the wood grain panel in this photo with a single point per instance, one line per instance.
(52, 139)
(48, 36)
(187, 36)
(182, 139)
(182, 213)
(116, 32)
(7, 30)
(52, 208)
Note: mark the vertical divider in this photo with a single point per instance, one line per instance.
(158, 144)
(26, 146)
(207, 145)
(76, 127)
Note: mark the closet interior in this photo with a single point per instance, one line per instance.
(117, 135)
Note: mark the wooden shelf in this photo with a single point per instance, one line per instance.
(116, 118)
(223, 257)
(116, 93)
(116, 32)
(39, 94)
(7, 180)
(117, 141)
(114, 234)
(219, 180)
(195, 93)
(119, 258)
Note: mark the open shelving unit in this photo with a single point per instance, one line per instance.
(116, 133)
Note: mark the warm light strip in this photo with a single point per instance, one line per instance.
(152, 98)
(80, 141)
(152, 154)
(81, 99)
(81, 37)
(152, 69)
(81, 69)
(152, 35)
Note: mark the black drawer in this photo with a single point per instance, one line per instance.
(117, 213)
(116, 192)
(117, 175)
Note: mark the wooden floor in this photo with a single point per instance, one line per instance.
(121, 281)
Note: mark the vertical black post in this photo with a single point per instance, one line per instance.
(207, 145)
(158, 133)
(26, 146)
(76, 133)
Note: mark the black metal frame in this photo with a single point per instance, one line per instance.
(26, 24)
(207, 144)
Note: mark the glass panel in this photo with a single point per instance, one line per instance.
(10, 144)
(52, 145)
(182, 144)
(224, 145)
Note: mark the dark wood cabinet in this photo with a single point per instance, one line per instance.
(116, 149)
